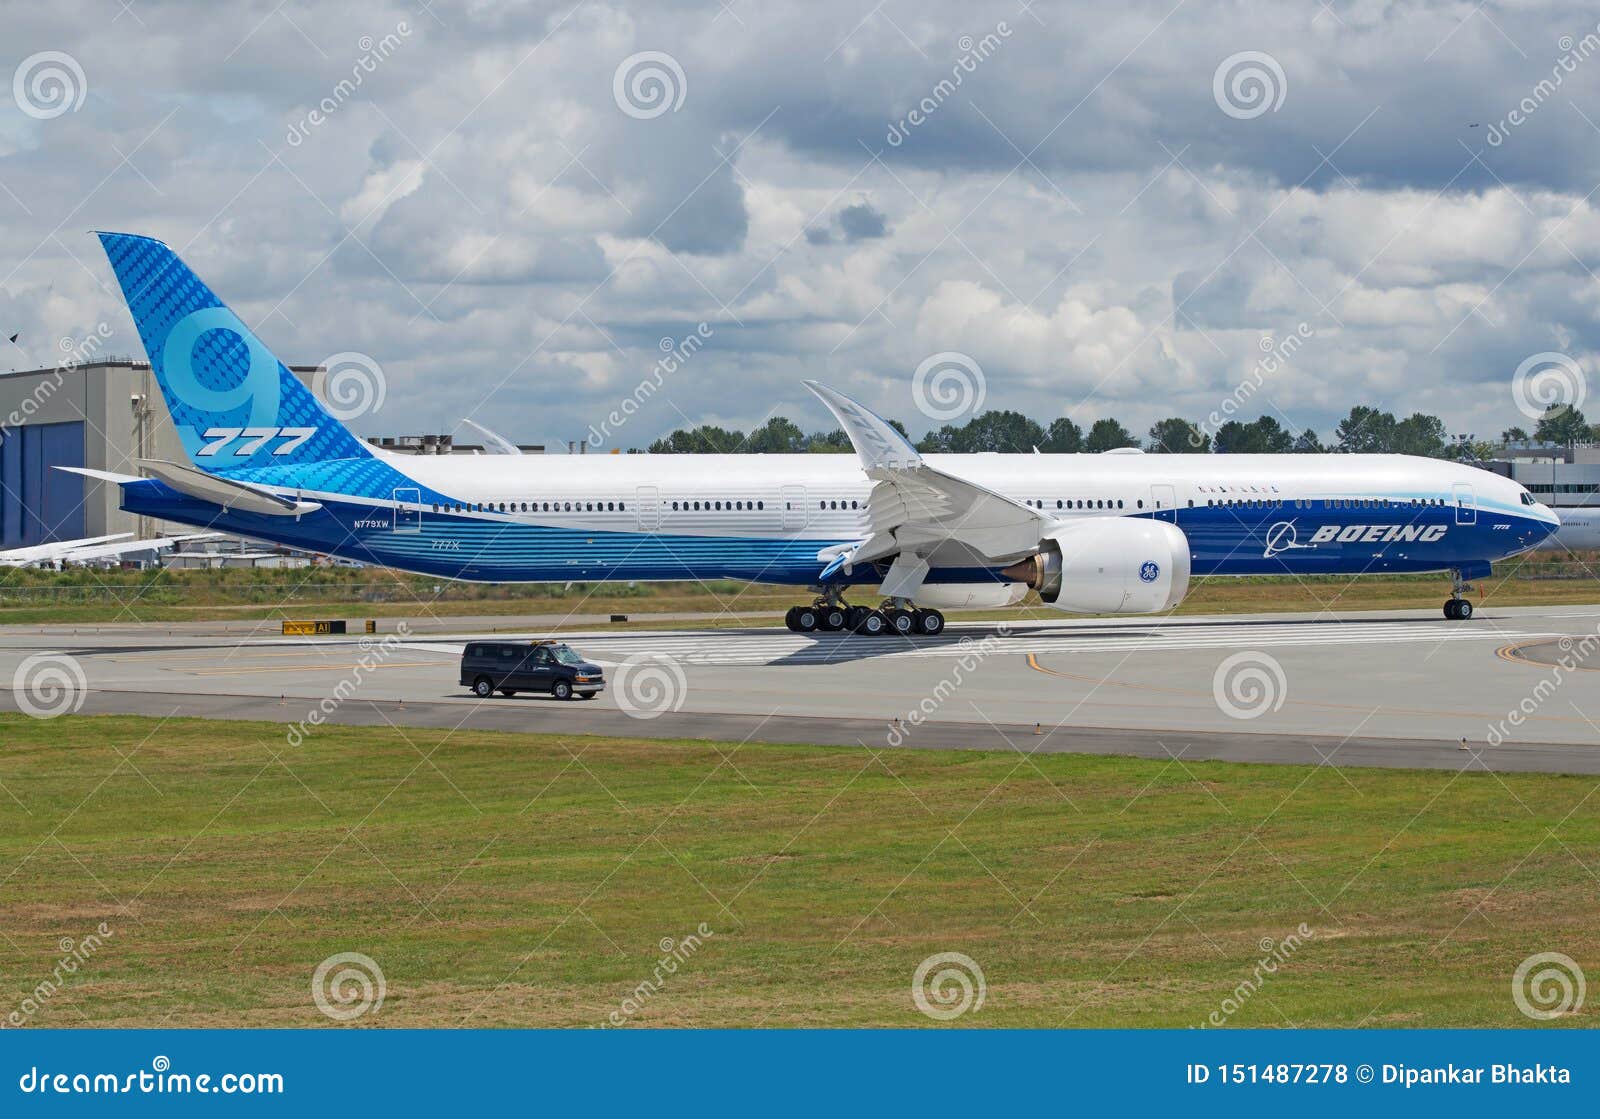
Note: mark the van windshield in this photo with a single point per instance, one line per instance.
(565, 654)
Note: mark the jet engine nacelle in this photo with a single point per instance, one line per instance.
(1122, 565)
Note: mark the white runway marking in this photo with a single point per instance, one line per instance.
(764, 649)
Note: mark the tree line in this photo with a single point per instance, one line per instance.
(1365, 430)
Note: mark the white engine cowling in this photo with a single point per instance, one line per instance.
(970, 596)
(1121, 565)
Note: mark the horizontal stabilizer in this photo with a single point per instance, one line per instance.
(226, 492)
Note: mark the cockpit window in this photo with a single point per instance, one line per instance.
(1527, 498)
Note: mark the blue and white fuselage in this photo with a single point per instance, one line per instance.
(265, 460)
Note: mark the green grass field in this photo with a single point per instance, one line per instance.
(518, 880)
(90, 597)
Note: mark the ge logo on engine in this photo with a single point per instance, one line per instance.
(1150, 571)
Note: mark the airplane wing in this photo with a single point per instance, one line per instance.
(131, 547)
(45, 553)
(494, 444)
(923, 516)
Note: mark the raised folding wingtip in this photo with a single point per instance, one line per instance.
(875, 439)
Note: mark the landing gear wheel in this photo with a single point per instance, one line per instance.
(873, 624)
(788, 619)
(805, 619)
(1464, 610)
(483, 687)
(930, 622)
(561, 689)
(853, 616)
(902, 622)
(831, 618)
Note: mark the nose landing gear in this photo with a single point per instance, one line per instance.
(1456, 607)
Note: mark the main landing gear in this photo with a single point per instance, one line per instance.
(829, 614)
(1457, 608)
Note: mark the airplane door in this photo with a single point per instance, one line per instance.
(794, 506)
(407, 509)
(1164, 500)
(647, 508)
(1466, 504)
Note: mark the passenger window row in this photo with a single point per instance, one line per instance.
(532, 507)
(717, 506)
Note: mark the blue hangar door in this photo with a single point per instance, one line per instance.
(38, 504)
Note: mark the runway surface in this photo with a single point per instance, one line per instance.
(1400, 688)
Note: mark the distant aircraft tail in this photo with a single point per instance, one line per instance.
(233, 403)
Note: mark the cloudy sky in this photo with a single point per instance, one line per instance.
(1107, 209)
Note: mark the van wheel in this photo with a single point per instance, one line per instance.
(561, 689)
(483, 687)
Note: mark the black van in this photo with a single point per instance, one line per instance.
(510, 667)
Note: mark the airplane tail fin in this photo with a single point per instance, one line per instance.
(233, 403)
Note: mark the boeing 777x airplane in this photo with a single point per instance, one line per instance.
(1115, 533)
